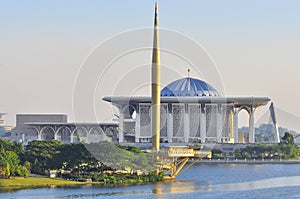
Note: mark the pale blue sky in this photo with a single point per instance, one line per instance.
(255, 45)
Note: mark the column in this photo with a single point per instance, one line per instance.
(55, 136)
(251, 128)
(202, 125)
(121, 126)
(72, 137)
(236, 127)
(186, 124)
(23, 137)
(219, 124)
(170, 124)
(137, 126)
(39, 133)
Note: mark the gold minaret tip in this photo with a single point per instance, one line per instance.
(156, 13)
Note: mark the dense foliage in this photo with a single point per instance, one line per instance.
(46, 155)
(79, 160)
(286, 149)
(278, 151)
(10, 162)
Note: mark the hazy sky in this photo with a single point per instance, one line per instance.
(255, 46)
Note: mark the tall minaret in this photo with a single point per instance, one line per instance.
(155, 86)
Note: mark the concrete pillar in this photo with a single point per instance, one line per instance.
(186, 126)
(170, 127)
(236, 126)
(202, 125)
(251, 128)
(219, 125)
(55, 135)
(23, 137)
(137, 127)
(121, 127)
(72, 137)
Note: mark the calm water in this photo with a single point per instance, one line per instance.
(200, 181)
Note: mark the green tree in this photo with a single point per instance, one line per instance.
(238, 153)
(27, 165)
(13, 159)
(6, 170)
(11, 146)
(22, 171)
(40, 154)
(217, 153)
(9, 160)
(288, 138)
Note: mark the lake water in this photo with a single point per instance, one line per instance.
(200, 181)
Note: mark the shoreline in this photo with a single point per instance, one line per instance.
(35, 182)
(31, 182)
(248, 161)
(38, 181)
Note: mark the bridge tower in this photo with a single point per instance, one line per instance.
(274, 121)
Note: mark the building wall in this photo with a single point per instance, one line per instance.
(1, 120)
(21, 119)
(24, 133)
(181, 122)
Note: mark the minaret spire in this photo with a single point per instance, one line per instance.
(155, 85)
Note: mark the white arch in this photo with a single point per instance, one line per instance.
(96, 127)
(44, 129)
(69, 132)
(98, 136)
(246, 108)
(62, 128)
(80, 138)
(111, 130)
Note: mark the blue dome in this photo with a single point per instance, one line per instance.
(189, 87)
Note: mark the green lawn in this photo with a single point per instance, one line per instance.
(31, 182)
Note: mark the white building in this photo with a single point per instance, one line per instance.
(31, 127)
(192, 111)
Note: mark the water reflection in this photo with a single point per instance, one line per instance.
(174, 187)
(192, 186)
(210, 181)
(260, 184)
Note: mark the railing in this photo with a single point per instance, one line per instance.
(248, 161)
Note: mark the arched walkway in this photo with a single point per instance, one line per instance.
(96, 134)
(80, 134)
(63, 134)
(47, 133)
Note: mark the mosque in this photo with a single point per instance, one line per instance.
(191, 111)
(187, 110)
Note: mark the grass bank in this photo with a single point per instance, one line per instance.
(37, 182)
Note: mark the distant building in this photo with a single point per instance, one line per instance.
(4, 129)
(242, 138)
(31, 127)
(24, 133)
(2, 119)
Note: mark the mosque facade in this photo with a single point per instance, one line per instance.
(191, 111)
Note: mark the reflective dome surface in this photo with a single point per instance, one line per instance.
(189, 87)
